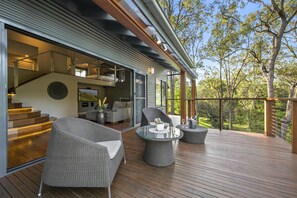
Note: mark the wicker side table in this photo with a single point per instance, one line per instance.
(193, 136)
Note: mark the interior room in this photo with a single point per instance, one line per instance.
(48, 81)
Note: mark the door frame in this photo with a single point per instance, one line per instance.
(134, 94)
(3, 100)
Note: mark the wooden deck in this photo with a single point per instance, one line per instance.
(229, 164)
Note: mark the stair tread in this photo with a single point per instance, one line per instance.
(22, 109)
(32, 125)
(29, 126)
(18, 135)
(16, 103)
(28, 121)
(24, 115)
(24, 112)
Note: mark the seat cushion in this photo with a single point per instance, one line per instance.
(112, 147)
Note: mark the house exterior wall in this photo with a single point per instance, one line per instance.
(48, 20)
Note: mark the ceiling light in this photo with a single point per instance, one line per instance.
(164, 46)
(156, 39)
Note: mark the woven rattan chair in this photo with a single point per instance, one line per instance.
(81, 153)
(149, 114)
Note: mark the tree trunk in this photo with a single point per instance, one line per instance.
(288, 117)
(277, 41)
(270, 87)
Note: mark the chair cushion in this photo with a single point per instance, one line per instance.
(112, 147)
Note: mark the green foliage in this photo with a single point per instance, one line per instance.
(236, 51)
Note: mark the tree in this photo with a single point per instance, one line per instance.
(189, 21)
(186, 18)
(227, 46)
(272, 22)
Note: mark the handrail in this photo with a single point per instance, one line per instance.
(36, 77)
(269, 111)
(35, 55)
(292, 99)
(51, 66)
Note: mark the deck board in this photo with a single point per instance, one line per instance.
(229, 164)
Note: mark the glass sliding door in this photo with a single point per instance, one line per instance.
(140, 96)
(3, 99)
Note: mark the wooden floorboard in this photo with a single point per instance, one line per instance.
(229, 164)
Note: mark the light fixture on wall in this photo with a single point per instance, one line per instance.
(156, 39)
(151, 70)
(121, 76)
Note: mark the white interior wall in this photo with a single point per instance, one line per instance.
(35, 94)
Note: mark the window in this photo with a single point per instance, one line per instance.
(161, 93)
(80, 72)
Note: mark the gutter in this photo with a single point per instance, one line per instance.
(159, 16)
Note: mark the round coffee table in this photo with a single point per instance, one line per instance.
(193, 136)
(158, 146)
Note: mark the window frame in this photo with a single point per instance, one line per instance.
(162, 94)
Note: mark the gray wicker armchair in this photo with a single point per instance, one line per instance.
(82, 153)
(149, 114)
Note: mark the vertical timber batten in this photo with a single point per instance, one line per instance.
(183, 101)
(294, 126)
(3, 99)
(268, 110)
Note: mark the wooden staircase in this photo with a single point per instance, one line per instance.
(26, 122)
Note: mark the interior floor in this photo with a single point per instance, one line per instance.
(121, 126)
(27, 148)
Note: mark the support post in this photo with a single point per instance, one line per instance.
(72, 71)
(52, 62)
(183, 104)
(115, 74)
(172, 87)
(221, 115)
(268, 117)
(294, 126)
(193, 95)
(189, 109)
(167, 106)
(16, 74)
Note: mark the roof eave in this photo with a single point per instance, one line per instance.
(163, 25)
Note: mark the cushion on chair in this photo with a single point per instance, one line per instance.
(112, 147)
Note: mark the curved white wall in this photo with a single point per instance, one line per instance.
(35, 94)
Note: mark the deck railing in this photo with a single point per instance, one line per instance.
(267, 115)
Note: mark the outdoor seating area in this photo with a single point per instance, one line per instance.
(81, 154)
(148, 99)
(229, 164)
